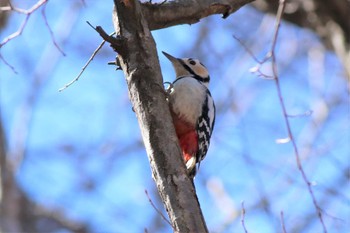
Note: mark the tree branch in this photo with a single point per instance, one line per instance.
(140, 64)
(21, 11)
(243, 218)
(328, 18)
(285, 114)
(187, 12)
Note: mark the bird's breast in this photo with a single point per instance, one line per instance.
(186, 100)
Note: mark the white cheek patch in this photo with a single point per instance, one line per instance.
(200, 70)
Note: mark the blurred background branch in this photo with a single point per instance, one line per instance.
(327, 18)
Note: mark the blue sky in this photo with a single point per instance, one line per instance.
(83, 153)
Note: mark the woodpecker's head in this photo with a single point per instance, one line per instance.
(189, 67)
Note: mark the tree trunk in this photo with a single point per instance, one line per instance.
(137, 56)
(140, 64)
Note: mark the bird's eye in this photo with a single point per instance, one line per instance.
(192, 62)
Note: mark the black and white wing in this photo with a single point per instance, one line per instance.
(205, 126)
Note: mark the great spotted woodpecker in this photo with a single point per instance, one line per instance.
(192, 109)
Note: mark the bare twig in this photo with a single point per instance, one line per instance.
(304, 114)
(272, 55)
(282, 223)
(243, 218)
(256, 69)
(8, 64)
(87, 63)
(16, 33)
(19, 31)
(157, 210)
(247, 49)
(43, 12)
(42, 72)
(84, 67)
(115, 42)
(22, 11)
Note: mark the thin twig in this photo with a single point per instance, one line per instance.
(256, 69)
(272, 56)
(247, 49)
(304, 114)
(86, 64)
(16, 33)
(43, 12)
(21, 27)
(282, 223)
(243, 218)
(11, 7)
(109, 38)
(84, 67)
(8, 64)
(90, 25)
(284, 110)
(22, 11)
(157, 210)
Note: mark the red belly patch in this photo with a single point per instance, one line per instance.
(188, 138)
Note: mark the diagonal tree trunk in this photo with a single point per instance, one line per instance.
(138, 58)
(140, 64)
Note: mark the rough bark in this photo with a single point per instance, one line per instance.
(187, 12)
(140, 64)
(139, 61)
